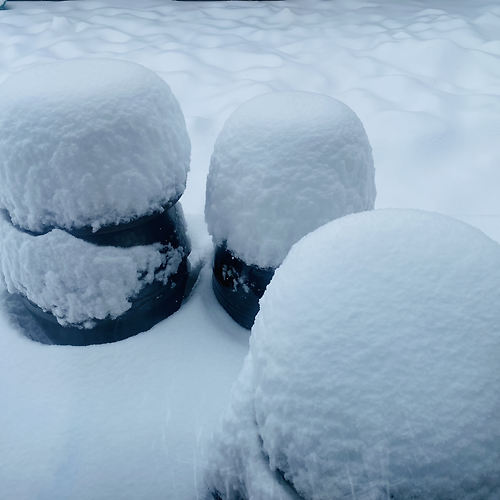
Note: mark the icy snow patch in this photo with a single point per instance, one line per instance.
(284, 164)
(374, 367)
(89, 143)
(75, 280)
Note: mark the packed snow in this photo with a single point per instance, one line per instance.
(132, 419)
(89, 143)
(373, 370)
(284, 164)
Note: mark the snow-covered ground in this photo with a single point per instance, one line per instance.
(131, 420)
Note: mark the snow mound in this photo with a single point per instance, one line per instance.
(89, 143)
(373, 370)
(283, 165)
(77, 281)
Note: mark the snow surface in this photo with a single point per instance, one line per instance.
(131, 420)
(284, 164)
(374, 369)
(423, 78)
(124, 421)
(91, 143)
(77, 281)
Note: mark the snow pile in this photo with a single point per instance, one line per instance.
(283, 165)
(89, 143)
(373, 370)
(78, 281)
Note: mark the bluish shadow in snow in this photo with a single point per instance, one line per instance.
(21, 319)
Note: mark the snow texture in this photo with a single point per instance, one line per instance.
(373, 370)
(89, 143)
(77, 281)
(284, 164)
(130, 420)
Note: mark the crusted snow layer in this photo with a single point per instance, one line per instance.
(89, 142)
(75, 280)
(284, 164)
(374, 366)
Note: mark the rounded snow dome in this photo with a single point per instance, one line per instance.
(376, 360)
(89, 143)
(283, 165)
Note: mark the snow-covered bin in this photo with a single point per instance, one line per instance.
(283, 165)
(94, 155)
(373, 370)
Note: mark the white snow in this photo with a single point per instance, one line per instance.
(374, 366)
(127, 420)
(89, 143)
(77, 281)
(284, 164)
(131, 420)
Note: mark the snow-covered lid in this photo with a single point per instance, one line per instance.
(376, 360)
(89, 143)
(283, 165)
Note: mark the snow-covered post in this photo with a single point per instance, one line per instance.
(373, 370)
(94, 155)
(283, 165)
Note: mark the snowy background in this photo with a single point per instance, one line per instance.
(131, 420)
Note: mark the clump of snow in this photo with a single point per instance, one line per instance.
(373, 370)
(77, 281)
(284, 164)
(89, 143)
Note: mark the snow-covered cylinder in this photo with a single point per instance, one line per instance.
(373, 369)
(283, 165)
(101, 288)
(94, 155)
(89, 143)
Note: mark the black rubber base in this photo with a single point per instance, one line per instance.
(155, 301)
(239, 286)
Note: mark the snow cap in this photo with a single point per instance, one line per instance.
(89, 143)
(376, 360)
(284, 164)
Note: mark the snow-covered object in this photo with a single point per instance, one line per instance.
(374, 368)
(283, 165)
(76, 281)
(89, 143)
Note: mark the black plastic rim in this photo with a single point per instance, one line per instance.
(88, 234)
(239, 286)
